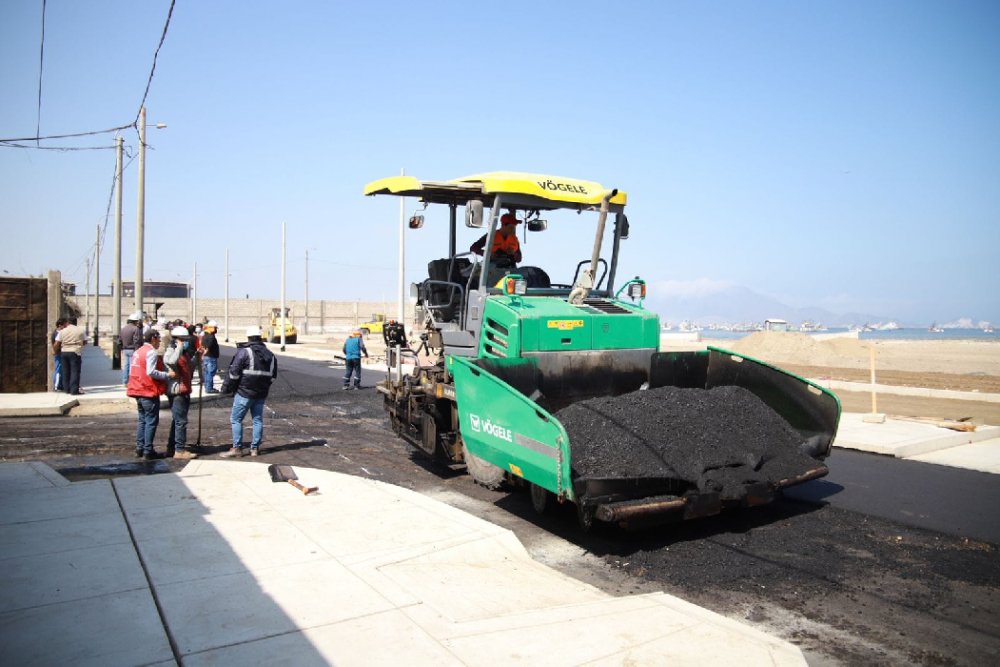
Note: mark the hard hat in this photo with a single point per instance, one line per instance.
(509, 219)
(135, 317)
(179, 332)
(254, 331)
(211, 323)
(162, 321)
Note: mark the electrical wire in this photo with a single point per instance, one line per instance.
(41, 62)
(155, 55)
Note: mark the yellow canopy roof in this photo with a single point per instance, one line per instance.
(554, 188)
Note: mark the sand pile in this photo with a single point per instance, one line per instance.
(715, 440)
(778, 348)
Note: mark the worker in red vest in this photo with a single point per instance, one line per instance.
(147, 381)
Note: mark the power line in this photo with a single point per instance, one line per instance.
(41, 62)
(68, 136)
(155, 55)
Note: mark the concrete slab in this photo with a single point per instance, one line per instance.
(232, 550)
(120, 629)
(982, 456)
(33, 538)
(246, 607)
(40, 404)
(44, 579)
(79, 499)
(387, 639)
(29, 475)
(903, 438)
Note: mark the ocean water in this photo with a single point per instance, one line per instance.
(898, 334)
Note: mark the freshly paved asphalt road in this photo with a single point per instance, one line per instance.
(948, 500)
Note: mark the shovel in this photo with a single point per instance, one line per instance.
(286, 474)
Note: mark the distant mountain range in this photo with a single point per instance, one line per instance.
(706, 302)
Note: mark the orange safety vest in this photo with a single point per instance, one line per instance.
(508, 244)
(139, 383)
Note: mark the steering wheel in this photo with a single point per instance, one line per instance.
(503, 260)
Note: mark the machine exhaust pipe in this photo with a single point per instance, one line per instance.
(586, 281)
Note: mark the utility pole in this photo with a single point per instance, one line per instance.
(140, 216)
(86, 299)
(402, 255)
(227, 295)
(97, 283)
(140, 223)
(116, 359)
(282, 325)
(194, 296)
(305, 328)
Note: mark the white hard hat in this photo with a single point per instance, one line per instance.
(211, 323)
(254, 331)
(136, 316)
(179, 332)
(162, 321)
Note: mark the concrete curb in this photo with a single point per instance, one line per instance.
(946, 394)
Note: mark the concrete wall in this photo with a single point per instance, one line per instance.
(324, 316)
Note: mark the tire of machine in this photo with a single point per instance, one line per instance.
(540, 498)
(484, 472)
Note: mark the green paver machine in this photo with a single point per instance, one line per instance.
(512, 348)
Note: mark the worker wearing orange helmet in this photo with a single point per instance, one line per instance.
(506, 248)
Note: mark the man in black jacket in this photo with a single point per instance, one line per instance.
(210, 356)
(250, 375)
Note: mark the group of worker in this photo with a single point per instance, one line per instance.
(164, 364)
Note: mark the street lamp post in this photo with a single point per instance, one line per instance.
(140, 225)
(117, 315)
(305, 328)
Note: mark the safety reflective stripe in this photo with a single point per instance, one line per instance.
(253, 370)
(536, 446)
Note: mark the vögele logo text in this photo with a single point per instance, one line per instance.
(487, 426)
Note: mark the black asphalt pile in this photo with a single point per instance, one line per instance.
(716, 440)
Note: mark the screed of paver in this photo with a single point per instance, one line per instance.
(76, 633)
(221, 611)
(388, 638)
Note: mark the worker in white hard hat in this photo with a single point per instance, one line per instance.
(250, 375)
(180, 357)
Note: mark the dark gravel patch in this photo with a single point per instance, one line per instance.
(717, 440)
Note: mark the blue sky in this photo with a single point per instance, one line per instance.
(844, 155)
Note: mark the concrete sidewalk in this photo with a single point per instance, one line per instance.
(218, 565)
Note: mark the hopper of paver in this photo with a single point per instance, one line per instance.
(640, 442)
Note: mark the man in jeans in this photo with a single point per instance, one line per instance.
(250, 375)
(146, 383)
(69, 344)
(131, 340)
(179, 359)
(210, 356)
(57, 377)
